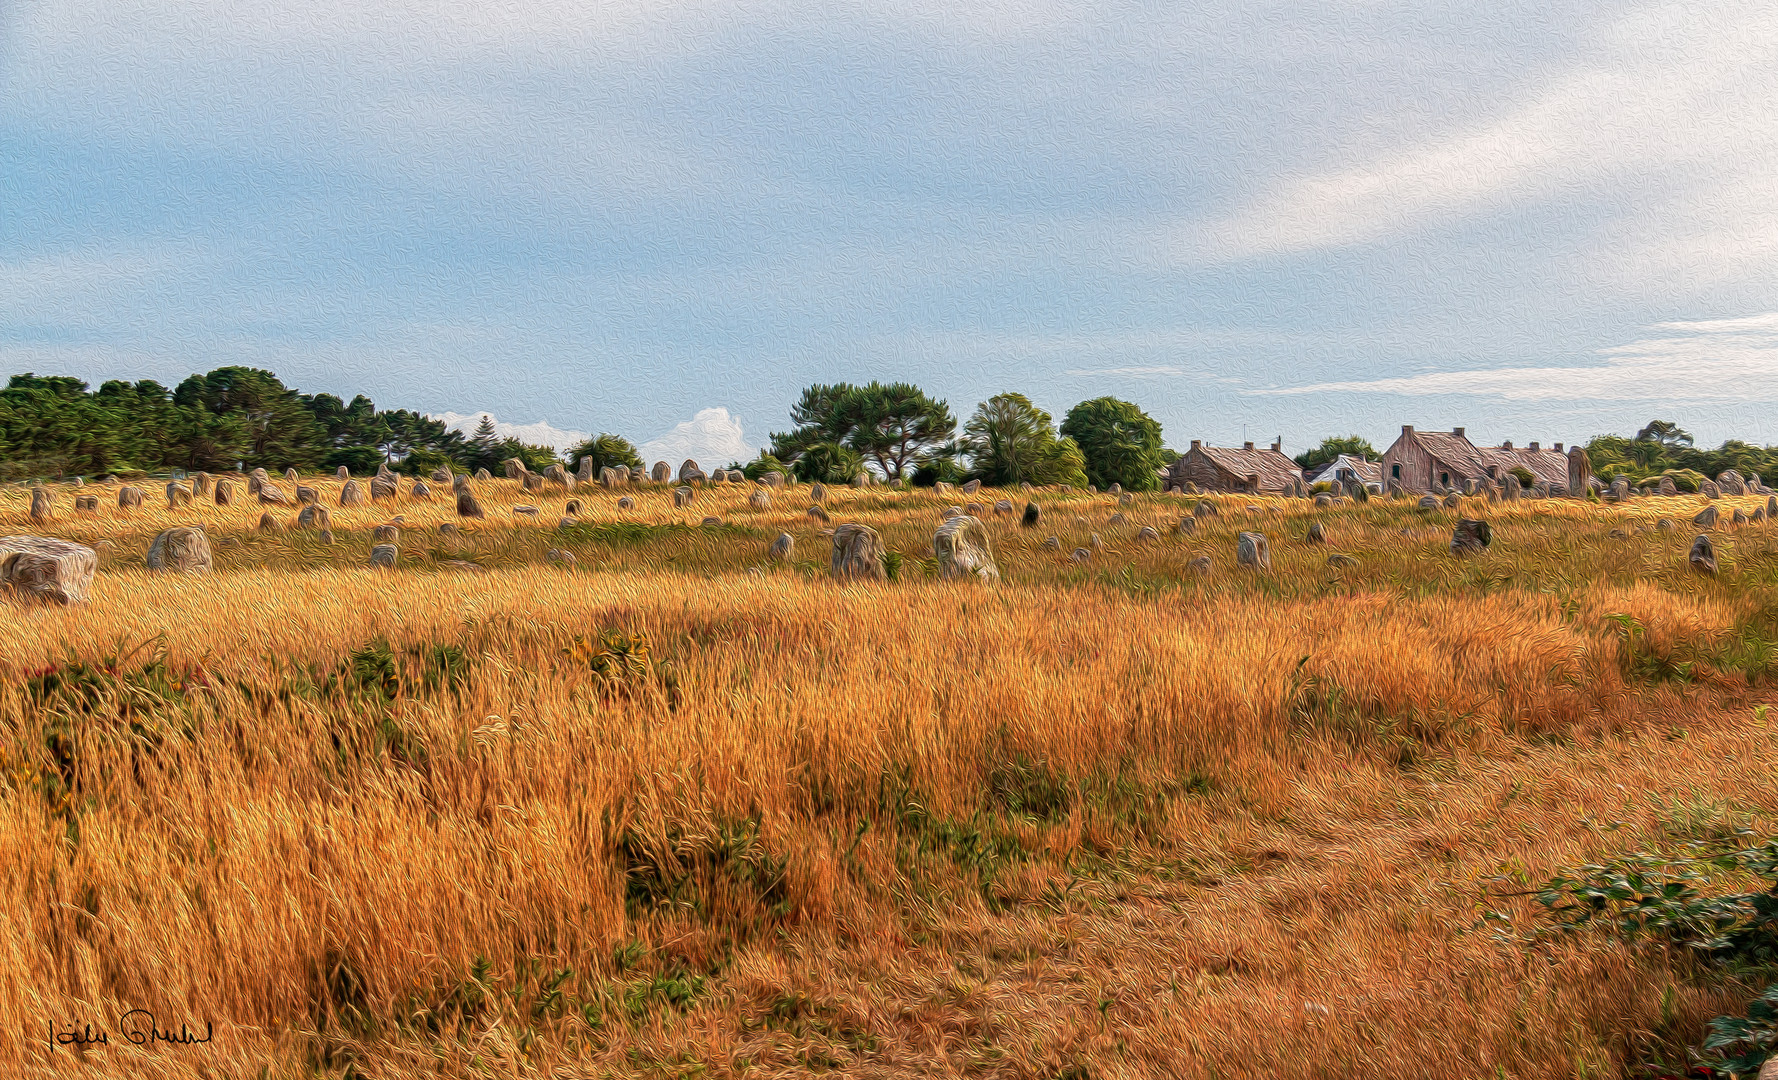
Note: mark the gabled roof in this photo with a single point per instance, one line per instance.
(1371, 472)
(1455, 451)
(1549, 466)
(1275, 471)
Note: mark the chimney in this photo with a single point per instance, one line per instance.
(1558, 447)
(1533, 444)
(1197, 444)
(1277, 446)
(1246, 446)
(1457, 431)
(1507, 445)
(1407, 429)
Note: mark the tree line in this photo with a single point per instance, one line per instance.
(54, 426)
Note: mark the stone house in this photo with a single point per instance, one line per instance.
(1248, 469)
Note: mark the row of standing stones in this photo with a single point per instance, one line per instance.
(60, 571)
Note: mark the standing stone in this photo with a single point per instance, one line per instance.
(342, 474)
(42, 506)
(584, 474)
(862, 480)
(1510, 488)
(268, 522)
(483, 475)
(1395, 489)
(1706, 518)
(1771, 507)
(1471, 537)
(1187, 526)
(420, 490)
(515, 468)
(781, 548)
(1453, 501)
(1115, 489)
(1731, 483)
(290, 476)
(773, 479)
(972, 487)
(1115, 520)
(44, 570)
(626, 503)
(350, 495)
(555, 473)
(129, 497)
(1322, 499)
(818, 512)
(689, 471)
(1667, 486)
(383, 555)
(1032, 516)
(1429, 502)
(271, 494)
(964, 551)
(661, 473)
(86, 504)
(1739, 517)
(532, 481)
(760, 500)
(1052, 543)
(177, 495)
(180, 550)
(1251, 549)
(467, 505)
(1199, 565)
(314, 516)
(1317, 534)
(1205, 509)
(1703, 555)
(200, 485)
(682, 496)
(1003, 506)
(1147, 534)
(1710, 490)
(1360, 493)
(225, 493)
(817, 494)
(1079, 555)
(609, 478)
(857, 554)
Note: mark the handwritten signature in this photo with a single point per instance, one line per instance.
(137, 1026)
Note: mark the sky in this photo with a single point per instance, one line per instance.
(662, 219)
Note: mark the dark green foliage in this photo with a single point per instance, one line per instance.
(828, 463)
(1335, 445)
(1120, 442)
(607, 452)
(1009, 440)
(763, 464)
(1662, 448)
(893, 425)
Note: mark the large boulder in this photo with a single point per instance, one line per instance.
(1710, 490)
(557, 474)
(760, 500)
(129, 497)
(1251, 549)
(383, 555)
(382, 487)
(1032, 515)
(42, 506)
(314, 517)
(178, 495)
(772, 479)
(532, 481)
(964, 551)
(418, 491)
(1471, 537)
(182, 549)
(308, 496)
(271, 494)
(467, 504)
(610, 477)
(1706, 518)
(41, 569)
(350, 495)
(515, 468)
(661, 473)
(682, 496)
(1702, 555)
(1429, 502)
(972, 487)
(782, 547)
(483, 475)
(857, 554)
(689, 471)
(1667, 486)
(1731, 483)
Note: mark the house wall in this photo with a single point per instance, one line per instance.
(1414, 462)
(1194, 465)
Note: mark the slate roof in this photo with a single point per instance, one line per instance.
(1275, 471)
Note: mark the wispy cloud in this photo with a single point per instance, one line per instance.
(1730, 360)
(1129, 372)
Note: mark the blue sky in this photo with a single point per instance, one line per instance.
(663, 219)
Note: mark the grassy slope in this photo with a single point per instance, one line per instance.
(1112, 818)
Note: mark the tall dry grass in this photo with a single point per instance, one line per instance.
(1106, 820)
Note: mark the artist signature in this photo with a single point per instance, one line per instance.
(137, 1027)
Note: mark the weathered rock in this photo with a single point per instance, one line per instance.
(772, 479)
(1667, 486)
(781, 548)
(1429, 502)
(1510, 489)
(314, 517)
(682, 496)
(1079, 555)
(1706, 518)
(1094, 542)
(626, 503)
(420, 490)
(610, 478)
(255, 480)
(178, 495)
(1322, 499)
(661, 473)
(182, 550)
(129, 497)
(689, 471)
(1115, 489)
(1703, 555)
(384, 555)
(711, 521)
(1730, 483)
(972, 487)
(271, 494)
(483, 475)
(86, 504)
(818, 512)
(974, 508)
(350, 495)
(1187, 526)
(1199, 565)
(760, 500)
(863, 479)
(268, 522)
(468, 505)
(1125, 499)
(1003, 506)
(342, 474)
(1147, 534)
(1251, 549)
(556, 474)
(449, 528)
(515, 468)
(1052, 543)
(1317, 534)
(1032, 515)
(525, 511)
(560, 555)
(1025, 486)
(383, 488)
(42, 506)
(951, 512)
(1471, 537)
(1341, 560)
(1710, 490)
(532, 481)
(44, 570)
(964, 551)
(857, 554)
(1115, 520)
(1204, 509)
(1739, 517)
(200, 485)
(1453, 501)
(386, 534)
(942, 488)
(225, 494)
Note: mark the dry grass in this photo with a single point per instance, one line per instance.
(1107, 820)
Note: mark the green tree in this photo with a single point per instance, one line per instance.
(828, 463)
(1665, 432)
(1332, 447)
(819, 418)
(279, 429)
(607, 452)
(893, 425)
(1121, 443)
(763, 464)
(1009, 440)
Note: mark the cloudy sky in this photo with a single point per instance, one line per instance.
(663, 217)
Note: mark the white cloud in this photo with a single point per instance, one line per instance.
(1670, 118)
(712, 438)
(538, 433)
(1725, 360)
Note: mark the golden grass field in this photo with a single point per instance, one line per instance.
(1107, 820)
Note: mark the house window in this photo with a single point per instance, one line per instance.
(1444, 479)
(1395, 472)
